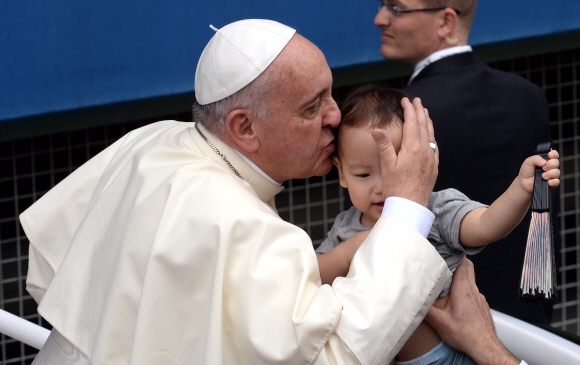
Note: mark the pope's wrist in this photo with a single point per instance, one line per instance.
(411, 213)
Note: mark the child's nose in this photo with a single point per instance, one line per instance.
(378, 186)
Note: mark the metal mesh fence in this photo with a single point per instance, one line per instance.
(557, 74)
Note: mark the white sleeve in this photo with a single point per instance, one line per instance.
(411, 213)
(394, 278)
(40, 274)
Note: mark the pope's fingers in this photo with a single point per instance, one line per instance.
(411, 127)
(388, 157)
(386, 148)
(435, 315)
(466, 272)
(483, 303)
(465, 269)
(431, 132)
(430, 128)
(422, 120)
(381, 139)
(417, 128)
(486, 313)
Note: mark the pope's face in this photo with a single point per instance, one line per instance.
(408, 37)
(299, 138)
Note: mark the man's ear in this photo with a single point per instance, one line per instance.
(241, 129)
(342, 180)
(448, 23)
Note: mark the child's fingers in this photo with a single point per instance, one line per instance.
(551, 171)
(551, 174)
(551, 164)
(536, 161)
(553, 183)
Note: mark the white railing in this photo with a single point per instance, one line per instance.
(22, 330)
(533, 344)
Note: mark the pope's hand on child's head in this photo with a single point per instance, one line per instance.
(411, 173)
(551, 170)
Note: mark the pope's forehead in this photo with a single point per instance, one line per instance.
(302, 67)
(300, 53)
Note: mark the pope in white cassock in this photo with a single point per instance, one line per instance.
(166, 248)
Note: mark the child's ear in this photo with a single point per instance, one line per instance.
(336, 162)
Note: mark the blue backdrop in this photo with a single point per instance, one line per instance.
(68, 54)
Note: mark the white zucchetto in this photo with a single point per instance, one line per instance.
(237, 54)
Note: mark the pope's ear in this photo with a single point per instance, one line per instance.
(241, 129)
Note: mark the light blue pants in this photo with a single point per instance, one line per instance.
(441, 354)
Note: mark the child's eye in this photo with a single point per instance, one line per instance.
(363, 175)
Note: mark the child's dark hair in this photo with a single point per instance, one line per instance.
(373, 104)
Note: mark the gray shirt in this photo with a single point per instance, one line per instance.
(449, 207)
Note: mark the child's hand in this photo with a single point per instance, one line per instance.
(551, 171)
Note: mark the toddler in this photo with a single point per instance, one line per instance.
(461, 226)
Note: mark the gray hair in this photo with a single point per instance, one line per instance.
(253, 97)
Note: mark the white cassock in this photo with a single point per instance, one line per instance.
(155, 253)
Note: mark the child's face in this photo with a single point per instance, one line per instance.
(359, 168)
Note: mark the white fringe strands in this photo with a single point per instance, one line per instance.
(539, 270)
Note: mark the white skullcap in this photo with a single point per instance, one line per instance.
(236, 55)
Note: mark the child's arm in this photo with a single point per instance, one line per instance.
(336, 262)
(485, 225)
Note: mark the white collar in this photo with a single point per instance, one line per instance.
(255, 167)
(437, 56)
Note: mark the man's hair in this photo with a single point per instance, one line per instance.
(373, 105)
(253, 97)
(466, 7)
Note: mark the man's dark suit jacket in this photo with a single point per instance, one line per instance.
(487, 122)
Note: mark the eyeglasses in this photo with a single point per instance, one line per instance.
(396, 11)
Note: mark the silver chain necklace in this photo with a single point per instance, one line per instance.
(213, 147)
